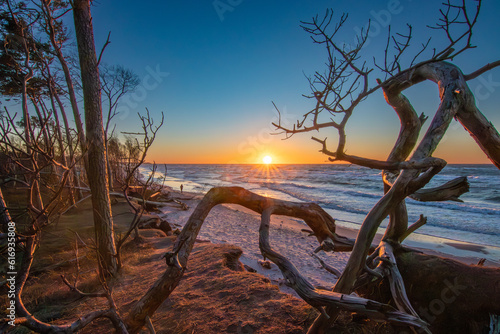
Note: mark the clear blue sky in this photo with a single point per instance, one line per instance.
(226, 67)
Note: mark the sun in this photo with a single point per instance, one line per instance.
(267, 160)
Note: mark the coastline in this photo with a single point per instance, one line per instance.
(236, 225)
(467, 252)
(347, 193)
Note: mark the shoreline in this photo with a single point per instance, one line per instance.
(452, 248)
(473, 221)
(239, 226)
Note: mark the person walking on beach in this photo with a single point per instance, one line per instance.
(182, 187)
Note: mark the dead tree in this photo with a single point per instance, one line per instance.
(116, 81)
(30, 157)
(316, 218)
(132, 166)
(410, 165)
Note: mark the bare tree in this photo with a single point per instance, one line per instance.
(148, 136)
(116, 82)
(18, 66)
(17, 151)
(411, 165)
(52, 13)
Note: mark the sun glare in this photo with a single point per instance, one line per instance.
(267, 160)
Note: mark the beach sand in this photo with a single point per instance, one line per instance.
(236, 225)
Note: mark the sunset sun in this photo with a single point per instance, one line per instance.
(267, 160)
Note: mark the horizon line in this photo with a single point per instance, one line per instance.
(292, 163)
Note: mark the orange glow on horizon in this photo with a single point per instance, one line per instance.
(299, 151)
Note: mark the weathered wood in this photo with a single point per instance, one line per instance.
(449, 191)
(321, 298)
(478, 126)
(413, 227)
(390, 268)
(336, 273)
(182, 205)
(401, 181)
(322, 224)
(448, 79)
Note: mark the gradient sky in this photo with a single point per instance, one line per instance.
(215, 75)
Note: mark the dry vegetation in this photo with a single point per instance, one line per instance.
(215, 295)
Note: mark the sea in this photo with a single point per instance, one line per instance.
(348, 192)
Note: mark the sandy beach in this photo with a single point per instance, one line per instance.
(236, 225)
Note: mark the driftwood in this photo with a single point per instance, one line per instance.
(154, 222)
(321, 298)
(327, 267)
(316, 218)
(139, 200)
(450, 81)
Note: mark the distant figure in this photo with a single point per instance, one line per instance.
(182, 187)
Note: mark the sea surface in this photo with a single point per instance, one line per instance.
(348, 193)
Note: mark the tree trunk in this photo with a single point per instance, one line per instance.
(449, 80)
(67, 75)
(97, 170)
(483, 132)
(43, 127)
(64, 160)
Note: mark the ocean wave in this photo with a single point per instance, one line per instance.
(481, 209)
(339, 206)
(276, 185)
(351, 191)
(495, 199)
(471, 227)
